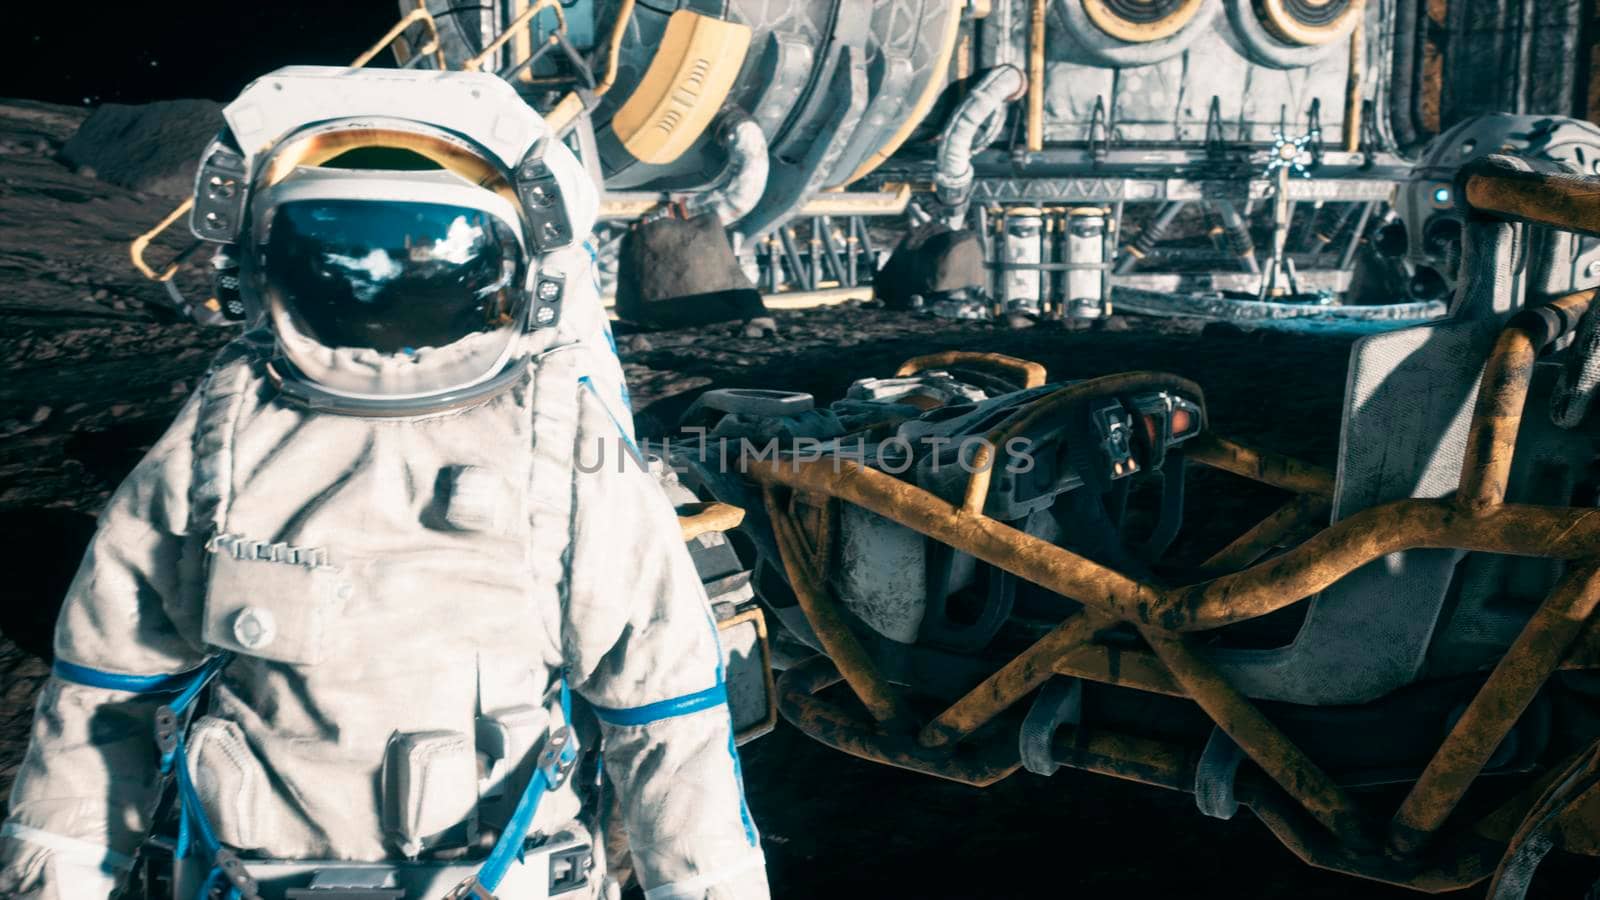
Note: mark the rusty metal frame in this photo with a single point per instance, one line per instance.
(973, 741)
(1031, 373)
(755, 616)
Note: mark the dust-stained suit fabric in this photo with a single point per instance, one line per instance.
(400, 596)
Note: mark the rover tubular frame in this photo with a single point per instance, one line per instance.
(975, 740)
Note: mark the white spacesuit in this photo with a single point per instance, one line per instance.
(394, 525)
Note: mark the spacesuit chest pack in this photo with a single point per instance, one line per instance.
(390, 590)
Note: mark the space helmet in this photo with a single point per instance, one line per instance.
(389, 229)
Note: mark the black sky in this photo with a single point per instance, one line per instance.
(70, 51)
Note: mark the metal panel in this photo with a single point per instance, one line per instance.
(789, 183)
(1088, 190)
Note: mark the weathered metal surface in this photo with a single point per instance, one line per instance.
(695, 519)
(1567, 202)
(974, 764)
(1260, 465)
(1295, 519)
(1486, 467)
(810, 588)
(1466, 863)
(1521, 530)
(1068, 189)
(1015, 680)
(1138, 669)
(1033, 374)
(1160, 764)
(1541, 828)
(1303, 806)
(1266, 746)
(1520, 674)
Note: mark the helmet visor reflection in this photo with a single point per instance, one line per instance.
(391, 277)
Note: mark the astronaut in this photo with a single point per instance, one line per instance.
(369, 621)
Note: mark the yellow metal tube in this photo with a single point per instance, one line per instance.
(1497, 417)
(1136, 669)
(1352, 87)
(420, 14)
(696, 519)
(140, 243)
(1291, 520)
(1558, 532)
(614, 47)
(1130, 758)
(1036, 32)
(810, 589)
(1260, 465)
(1032, 374)
(1465, 866)
(975, 766)
(520, 22)
(1266, 746)
(1567, 202)
(1015, 680)
(1486, 468)
(1497, 706)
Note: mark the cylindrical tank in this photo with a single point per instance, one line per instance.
(1084, 237)
(1022, 244)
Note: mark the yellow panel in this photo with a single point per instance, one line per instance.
(522, 44)
(690, 76)
(891, 201)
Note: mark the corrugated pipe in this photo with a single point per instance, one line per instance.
(746, 180)
(972, 127)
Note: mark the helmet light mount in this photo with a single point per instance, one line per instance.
(219, 195)
(549, 227)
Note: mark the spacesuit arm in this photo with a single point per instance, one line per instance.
(83, 795)
(641, 647)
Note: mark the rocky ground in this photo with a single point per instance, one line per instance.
(92, 368)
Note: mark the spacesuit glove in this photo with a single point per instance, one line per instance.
(38, 865)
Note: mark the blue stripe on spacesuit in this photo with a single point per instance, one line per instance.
(716, 695)
(733, 747)
(627, 401)
(632, 447)
(605, 325)
(116, 681)
(594, 269)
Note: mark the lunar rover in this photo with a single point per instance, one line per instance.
(1397, 671)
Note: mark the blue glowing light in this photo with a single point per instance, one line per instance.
(1441, 195)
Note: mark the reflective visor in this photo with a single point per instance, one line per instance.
(389, 276)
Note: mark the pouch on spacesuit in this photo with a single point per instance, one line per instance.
(430, 785)
(506, 738)
(231, 782)
(270, 609)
